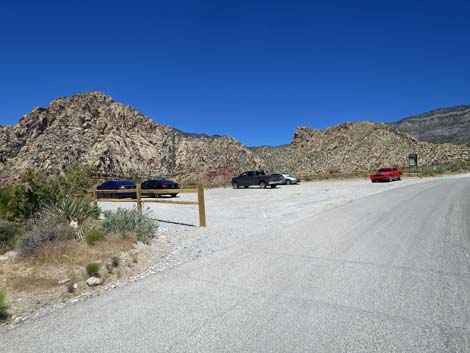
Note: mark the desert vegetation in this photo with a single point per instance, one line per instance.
(52, 239)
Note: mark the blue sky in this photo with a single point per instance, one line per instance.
(251, 69)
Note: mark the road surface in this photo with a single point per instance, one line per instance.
(387, 273)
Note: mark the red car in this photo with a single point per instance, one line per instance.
(386, 174)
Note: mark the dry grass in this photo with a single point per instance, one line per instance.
(47, 276)
(61, 260)
(4, 248)
(72, 253)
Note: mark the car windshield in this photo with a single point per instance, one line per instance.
(123, 182)
(383, 170)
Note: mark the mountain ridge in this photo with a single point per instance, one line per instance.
(113, 138)
(443, 125)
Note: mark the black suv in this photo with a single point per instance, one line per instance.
(256, 177)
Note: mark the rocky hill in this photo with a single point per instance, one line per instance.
(112, 138)
(448, 125)
(353, 147)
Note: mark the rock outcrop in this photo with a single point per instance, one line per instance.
(448, 125)
(115, 139)
(353, 147)
(112, 138)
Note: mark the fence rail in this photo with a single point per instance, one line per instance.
(139, 200)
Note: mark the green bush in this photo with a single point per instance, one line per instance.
(42, 233)
(93, 235)
(131, 221)
(17, 203)
(20, 202)
(93, 269)
(9, 232)
(72, 208)
(3, 305)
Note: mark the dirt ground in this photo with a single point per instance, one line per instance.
(57, 272)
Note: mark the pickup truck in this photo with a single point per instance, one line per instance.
(257, 177)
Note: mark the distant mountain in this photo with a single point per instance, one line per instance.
(196, 135)
(446, 125)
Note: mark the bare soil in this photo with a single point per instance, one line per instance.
(49, 276)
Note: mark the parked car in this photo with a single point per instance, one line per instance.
(386, 174)
(159, 184)
(257, 177)
(290, 179)
(116, 185)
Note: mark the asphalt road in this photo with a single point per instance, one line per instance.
(386, 273)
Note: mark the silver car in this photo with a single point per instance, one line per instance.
(289, 179)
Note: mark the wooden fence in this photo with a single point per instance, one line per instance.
(142, 192)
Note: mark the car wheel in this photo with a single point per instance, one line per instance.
(246, 186)
(173, 195)
(262, 185)
(288, 182)
(399, 177)
(390, 179)
(235, 185)
(273, 186)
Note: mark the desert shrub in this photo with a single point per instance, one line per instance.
(42, 233)
(125, 220)
(17, 203)
(75, 181)
(20, 202)
(93, 235)
(9, 232)
(115, 260)
(3, 305)
(92, 269)
(72, 208)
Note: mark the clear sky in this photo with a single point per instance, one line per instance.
(250, 69)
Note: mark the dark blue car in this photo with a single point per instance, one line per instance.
(116, 185)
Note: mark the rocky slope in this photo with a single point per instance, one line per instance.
(353, 147)
(113, 138)
(448, 125)
(116, 139)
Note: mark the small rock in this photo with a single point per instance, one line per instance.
(8, 255)
(94, 281)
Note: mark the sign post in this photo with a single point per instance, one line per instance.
(413, 163)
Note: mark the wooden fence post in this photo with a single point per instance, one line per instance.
(202, 207)
(95, 196)
(139, 198)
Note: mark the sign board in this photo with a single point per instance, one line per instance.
(413, 160)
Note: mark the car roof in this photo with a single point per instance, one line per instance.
(121, 181)
(163, 180)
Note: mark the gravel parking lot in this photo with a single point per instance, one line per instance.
(235, 216)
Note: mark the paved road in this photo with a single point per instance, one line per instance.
(387, 273)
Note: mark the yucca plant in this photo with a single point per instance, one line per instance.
(72, 210)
